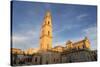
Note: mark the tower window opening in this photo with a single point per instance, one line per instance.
(48, 32)
(48, 22)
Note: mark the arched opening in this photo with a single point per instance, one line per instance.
(54, 59)
(48, 32)
(78, 47)
(46, 62)
(83, 46)
(40, 60)
(35, 59)
(48, 22)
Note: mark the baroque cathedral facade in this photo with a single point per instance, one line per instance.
(46, 54)
(46, 37)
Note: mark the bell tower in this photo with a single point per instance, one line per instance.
(46, 32)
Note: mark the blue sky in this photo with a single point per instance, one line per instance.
(70, 22)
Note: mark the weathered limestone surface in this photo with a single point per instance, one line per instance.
(79, 56)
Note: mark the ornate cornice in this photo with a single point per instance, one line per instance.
(46, 36)
(46, 25)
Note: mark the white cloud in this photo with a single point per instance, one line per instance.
(59, 43)
(19, 39)
(26, 39)
(65, 28)
(82, 16)
(91, 32)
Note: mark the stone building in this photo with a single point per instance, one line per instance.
(16, 51)
(16, 55)
(50, 57)
(36, 59)
(31, 51)
(58, 48)
(83, 44)
(77, 56)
